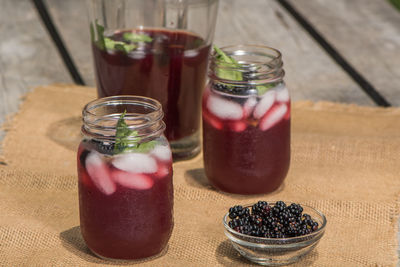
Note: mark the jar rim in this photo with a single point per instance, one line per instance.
(253, 65)
(240, 47)
(147, 119)
(125, 98)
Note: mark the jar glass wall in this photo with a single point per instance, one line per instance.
(125, 178)
(246, 121)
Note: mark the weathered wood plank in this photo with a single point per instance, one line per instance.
(27, 55)
(366, 33)
(311, 74)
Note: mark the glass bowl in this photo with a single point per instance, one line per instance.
(276, 251)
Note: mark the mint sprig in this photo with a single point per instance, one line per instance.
(127, 140)
(230, 62)
(110, 44)
(99, 29)
(137, 38)
(234, 75)
(106, 43)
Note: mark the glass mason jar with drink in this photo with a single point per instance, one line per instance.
(246, 120)
(125, 178)
(158, 49)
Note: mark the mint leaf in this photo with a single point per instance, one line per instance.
(100, 34)
(110, 44)
(136, 38)
(125, 140)
(106, 43)
(233, 74)
(123, 136)
(262, 89)
(146, 147)
(230, 62)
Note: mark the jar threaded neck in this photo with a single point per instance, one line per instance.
(142, 114)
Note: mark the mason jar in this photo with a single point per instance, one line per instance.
(157, 49)
(246, 121)
(125, 178)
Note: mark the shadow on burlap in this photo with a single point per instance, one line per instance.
(344, 162)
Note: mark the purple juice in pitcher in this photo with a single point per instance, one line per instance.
(169, 66)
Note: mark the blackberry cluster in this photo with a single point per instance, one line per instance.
(246, 76)
(277, 221)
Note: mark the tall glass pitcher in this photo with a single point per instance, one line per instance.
(158, 49)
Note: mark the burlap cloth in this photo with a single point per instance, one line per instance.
(344, 162)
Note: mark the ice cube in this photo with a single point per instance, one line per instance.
(273, 117)
(163, 171)
(224, 109)
(99, 173)
(162, 153)
(137, 181)
(216, 123)
(135, 162)
(249, 105)
(282, 93)
(238, 126)
(264, 104)
(191, 53)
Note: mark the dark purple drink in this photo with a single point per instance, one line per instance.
(125, 213)
(170, 68)
(246, 146)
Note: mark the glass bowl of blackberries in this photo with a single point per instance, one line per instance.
(274, 233)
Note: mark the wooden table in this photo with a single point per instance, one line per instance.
(365, 33)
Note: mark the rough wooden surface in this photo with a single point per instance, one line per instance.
(367, 33)
(27, 56)
(240, 21)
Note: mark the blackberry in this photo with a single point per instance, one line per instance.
(295, 209)
(220, 87)
(232, 89)
(261, 208)
(277, 221)
(103, 147)
(238, 211)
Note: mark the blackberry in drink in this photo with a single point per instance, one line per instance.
(246, 121)
(125, 178)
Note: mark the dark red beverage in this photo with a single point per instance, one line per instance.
(125, 200)
(246, 140)
(170, 68)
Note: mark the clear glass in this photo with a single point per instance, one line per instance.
(246, 121)
(125, 197)
(277, 251)
(158, 49)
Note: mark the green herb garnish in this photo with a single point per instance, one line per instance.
(234, 75)
(106, 43)
(227, 74)
(100, 34)
(126, 140)
(118, 45)
(137, 38)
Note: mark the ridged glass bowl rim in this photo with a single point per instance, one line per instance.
(275, 242)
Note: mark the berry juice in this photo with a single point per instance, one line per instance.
(246, 140)
(125, 200)
(171, 68)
